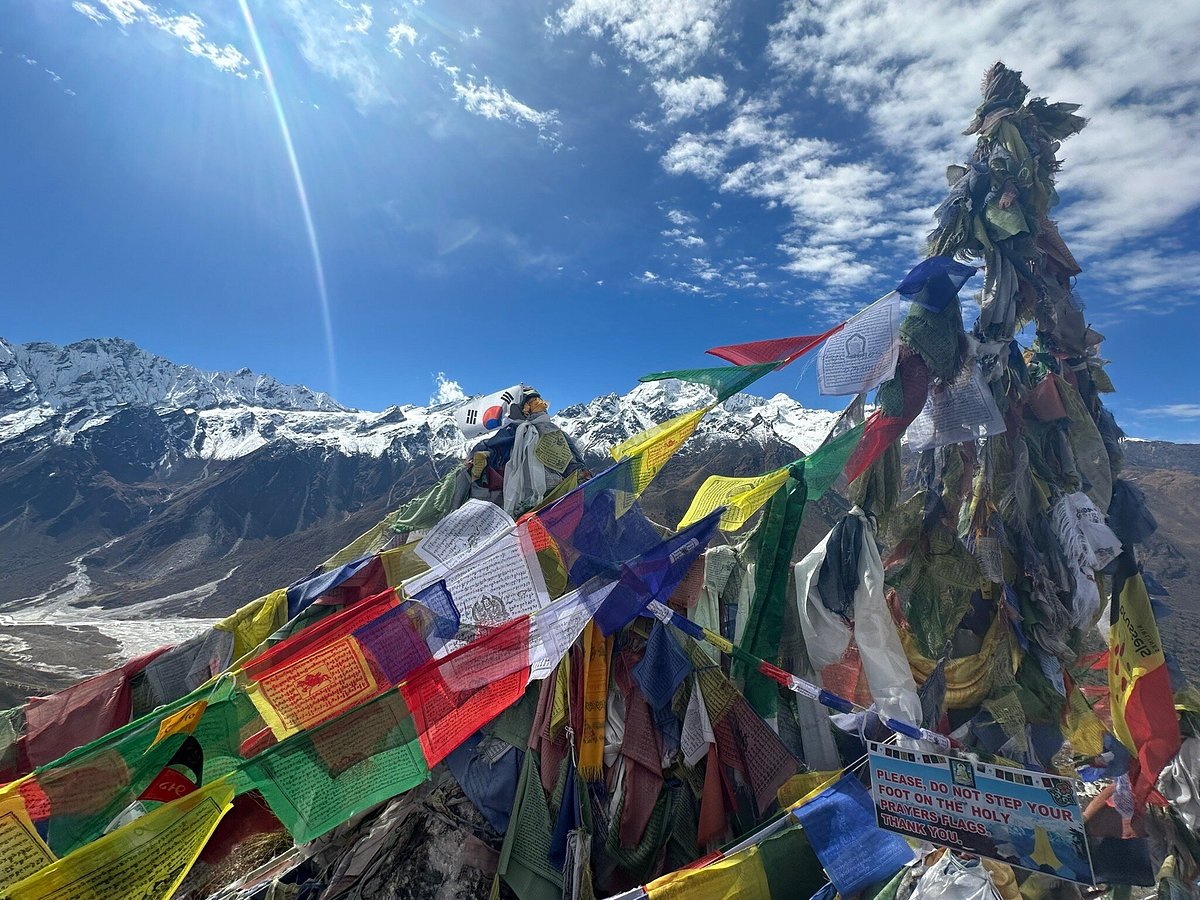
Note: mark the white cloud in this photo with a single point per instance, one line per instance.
(907, 71)
(597, 60)
(836, 205)
(401, 31)
(363, 20)
(482, 98)
(1174, 411)
(911, 67)
(680, 218)
(90, 11)
(447, 391)
(663, 35)
(187, 27)
(332, 46)
(688, 96)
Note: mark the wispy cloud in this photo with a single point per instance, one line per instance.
(662, 35)
(187, 27)
(331, 44)
(90, 11)
(910, 67)
(685, 97)
(905, 73)
(482, 98)
(398, 34)
(1174, 411)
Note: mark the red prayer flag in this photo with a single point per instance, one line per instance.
(453, 697)
(772, 350)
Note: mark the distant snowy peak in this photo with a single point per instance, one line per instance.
(601, 424)
(106, 374)
(89, 394)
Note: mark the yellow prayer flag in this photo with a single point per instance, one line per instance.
(741, 497)
(654, 446)
(182, 722)
(371, 541)
(147, 859)
(256, 621)
(799, 789)
(737, 877)
(402, 563)
(316, 686)
(22, 850)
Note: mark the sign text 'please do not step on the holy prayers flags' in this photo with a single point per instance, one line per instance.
(1027, 819)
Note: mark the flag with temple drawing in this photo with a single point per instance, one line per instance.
(649, 450)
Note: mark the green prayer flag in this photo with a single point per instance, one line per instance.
(808, 478)
(315, 780)
(725, 380)
(524, 858)
(429, 507)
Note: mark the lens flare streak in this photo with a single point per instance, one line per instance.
(301, 193)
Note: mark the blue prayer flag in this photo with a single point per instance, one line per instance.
(854, 851)
(934, 282)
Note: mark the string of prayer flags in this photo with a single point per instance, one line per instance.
(855, 852)
(651, 448)
(863, 354)
(773, 350)
(654, 575)
(934, 282)
(725, 380)
(147, 859)
(743, 497)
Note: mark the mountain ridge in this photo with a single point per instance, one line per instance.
(120, 504)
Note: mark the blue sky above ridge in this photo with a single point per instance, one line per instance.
(570, 193)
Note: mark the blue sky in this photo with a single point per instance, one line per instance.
(569, 193)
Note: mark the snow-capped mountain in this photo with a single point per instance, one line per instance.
(132, 488)
(61, 395)
(125, 477)
(108, 373)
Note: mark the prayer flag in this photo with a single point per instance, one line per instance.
(1142, 705)
(933, 282)
(783, 865)
(743, 497)
(840, 824)
(725, 380)
(148, 858)
(599, 525)
(317, 779)
(776, 350)
(863, 354)
(654, 574)
(650, 449)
